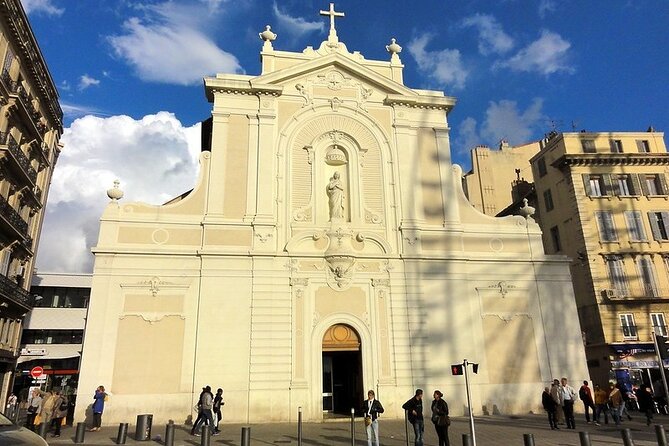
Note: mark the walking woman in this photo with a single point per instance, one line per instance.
(440, 418)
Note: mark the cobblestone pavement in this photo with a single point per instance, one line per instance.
(490, 430)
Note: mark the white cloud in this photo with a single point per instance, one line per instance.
(86, 81)
(492, 38)
(503, 120)
(168, 46)
(546, 6)
(155, 158)
(41, 6)
(547, 55)
(295, 26)
(445, 66)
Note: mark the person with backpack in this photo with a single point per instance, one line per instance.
(59, 412)
(218, 402)
(585, 395)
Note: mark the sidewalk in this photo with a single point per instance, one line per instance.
(490, 430)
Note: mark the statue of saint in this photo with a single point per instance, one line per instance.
(335, 192)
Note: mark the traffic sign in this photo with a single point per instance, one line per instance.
(36, 372)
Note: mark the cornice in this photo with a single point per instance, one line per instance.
(424, 102)
(32, 60)
(240, 87)
(612, 159)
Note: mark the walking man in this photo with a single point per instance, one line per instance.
(206, 411)
(414, 408)
(551, 407)
(371, 408)
(556, 393)
(585, 394)
(568, 399)
(601, 405)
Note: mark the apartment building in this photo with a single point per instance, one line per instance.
(30, 129)
(603, 200)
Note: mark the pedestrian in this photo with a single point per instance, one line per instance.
(60, 411)
(46, 411)
(12, 403)
(646, 402)
(414, 408)
(585, 395)
(550, 406)
(601, 405)
(34, 407)
(617, 403)
(371, 408)
(568, 399)
(218, 402)
(206, 408)
(628, 396)
(98, 407)
(556, 393)
(440, 417)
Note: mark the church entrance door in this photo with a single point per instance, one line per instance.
(342, 370)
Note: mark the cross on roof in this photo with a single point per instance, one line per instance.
(332, 13)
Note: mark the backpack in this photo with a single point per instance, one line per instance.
(582, 394)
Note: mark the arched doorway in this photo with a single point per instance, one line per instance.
(342, 370)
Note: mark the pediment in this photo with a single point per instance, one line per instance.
(334, 62)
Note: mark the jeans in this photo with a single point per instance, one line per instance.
(442, 434)
(97, 419)
(589, 405)
(418, 429)
(206, 418)
(56, 423)
(598, 413)
(569, 414)
(374, 427)
(552, 418)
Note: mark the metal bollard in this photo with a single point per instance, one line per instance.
(246, 436)
(627, 437)
(42, 429)
(352, 426)
(585, 438)
(122, 433)
(406, 425)
(661, 435)
(205, 438)
(169, 433)
(81, 431)
(466, 440)
(299, 426)
(528, 439)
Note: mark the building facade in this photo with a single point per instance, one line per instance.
(498, 177)
(604, 202)
(326, 249)
(53, 332)
(30, 129)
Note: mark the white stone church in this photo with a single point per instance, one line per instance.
(326, 249)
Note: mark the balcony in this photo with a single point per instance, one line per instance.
(636, 293)
(10, 85)
(660, 330)
(11, 290)
(12, 218)
(20, 160)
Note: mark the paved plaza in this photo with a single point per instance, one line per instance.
(490, 430)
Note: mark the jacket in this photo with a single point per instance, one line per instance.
(99, 402)
(548, 402)
(601, 397)
(412, 405)
(372, 412)
(207, 401)
(556, 394)
(439, 408)
(61, 400)
(616, 398)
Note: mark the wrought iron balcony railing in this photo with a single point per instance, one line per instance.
(636, 292)
(10, 215)
(10, 84)
(21, 159)
(13, 291)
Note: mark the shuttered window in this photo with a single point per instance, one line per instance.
(548, 200)
(617, 275)
(659, 325)
(658, 225)
(616, 146)
(607, 230)
(628, 326)
(588, 145)
(635, 226)
(647, 275)
(642, 146)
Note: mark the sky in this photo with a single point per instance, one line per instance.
(129, 74)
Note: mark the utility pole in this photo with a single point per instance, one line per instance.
(462, 369)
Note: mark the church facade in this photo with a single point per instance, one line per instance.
(326, 249)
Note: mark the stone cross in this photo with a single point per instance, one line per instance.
(332, 15)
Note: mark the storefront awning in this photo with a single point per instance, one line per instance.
(48, 352)
(646, 347)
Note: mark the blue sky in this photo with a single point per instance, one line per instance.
(130, 78)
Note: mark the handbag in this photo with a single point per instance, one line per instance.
(368, 421)
(38, 420)
(32, 409)
(443, 420)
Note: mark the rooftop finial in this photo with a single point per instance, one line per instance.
(332, 13)
(267, 36)
(115, 193)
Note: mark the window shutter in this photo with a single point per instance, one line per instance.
(612, 144)
(663, 184)
(654, 227)
(639, 146)
(608, 185)
(631, 227)
(639, 225)
(610, 228)
(586, 183)
(665, 220)
(635, 185)
(644, 186)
